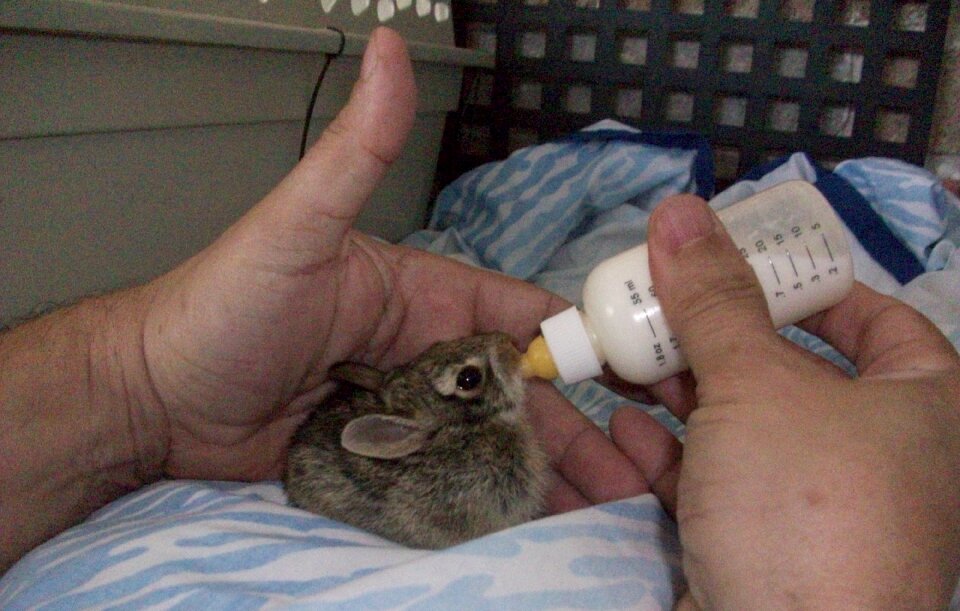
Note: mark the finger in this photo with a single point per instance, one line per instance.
(447, 298)
(629, 390)
(678, 393)
(579, 451)
(563, 497)
(307, 215)
(709, 294)
(653, 450)
(883, 336)
(528, 305)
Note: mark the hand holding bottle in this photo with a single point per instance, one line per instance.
(798, 483)
(790, 236)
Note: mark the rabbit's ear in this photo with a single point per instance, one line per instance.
(382, 436)
(364, 376)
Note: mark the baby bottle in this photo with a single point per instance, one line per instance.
(789, 235)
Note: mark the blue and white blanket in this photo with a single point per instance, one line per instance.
(547, 214)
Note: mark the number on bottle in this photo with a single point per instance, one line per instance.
(661, 357)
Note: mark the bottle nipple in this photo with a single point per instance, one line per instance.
(537, 361)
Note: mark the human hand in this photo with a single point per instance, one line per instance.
(238, 340)
(799, 486)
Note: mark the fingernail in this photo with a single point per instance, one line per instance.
(684, 220)
(371, 57)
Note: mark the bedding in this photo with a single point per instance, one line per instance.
(546, 214)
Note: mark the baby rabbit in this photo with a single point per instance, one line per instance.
(430, 454)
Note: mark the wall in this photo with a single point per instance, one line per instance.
(131, 136)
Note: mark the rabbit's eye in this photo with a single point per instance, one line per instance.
(469, 378)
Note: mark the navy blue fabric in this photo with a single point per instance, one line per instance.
(702, 164)
(857, 214)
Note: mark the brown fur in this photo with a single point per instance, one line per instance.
(477, 469)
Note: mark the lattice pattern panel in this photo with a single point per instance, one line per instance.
(837, 79)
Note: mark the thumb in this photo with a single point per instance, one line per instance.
(303, 221)
(709, 293)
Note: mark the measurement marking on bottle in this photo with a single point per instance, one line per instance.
(796, 274)
(649, 322)
(775, 273)
(810, 254)
(827, 244)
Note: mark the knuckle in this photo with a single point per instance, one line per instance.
(341, 135)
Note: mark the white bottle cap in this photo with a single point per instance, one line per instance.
(570, 346)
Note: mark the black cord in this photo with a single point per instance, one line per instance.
(316, 89)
